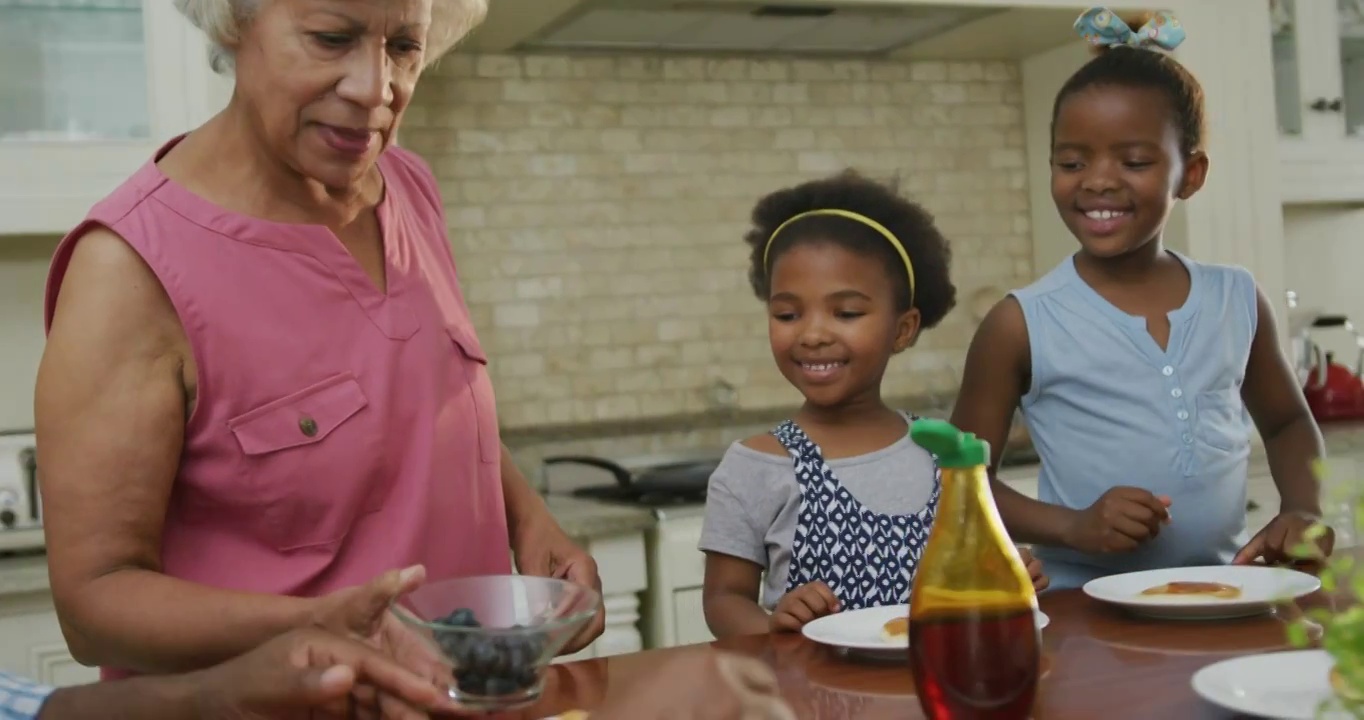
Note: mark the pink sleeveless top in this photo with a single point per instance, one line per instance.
(339, 432)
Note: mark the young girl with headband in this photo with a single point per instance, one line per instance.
(831, 510)
(1138, 370)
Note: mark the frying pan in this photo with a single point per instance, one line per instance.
(682, 477)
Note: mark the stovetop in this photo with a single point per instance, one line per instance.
(635, 497)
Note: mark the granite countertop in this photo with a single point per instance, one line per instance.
(581, 519)
(586, 519)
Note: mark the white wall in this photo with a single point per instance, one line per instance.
(23, 274)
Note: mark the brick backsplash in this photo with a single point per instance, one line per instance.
(596, 207)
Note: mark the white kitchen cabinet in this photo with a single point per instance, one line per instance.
(677, 572)
(1262, 501)
(33, 645)
(88, 90)
(1318, 48)
(623, 567)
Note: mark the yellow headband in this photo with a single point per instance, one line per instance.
(878, 227)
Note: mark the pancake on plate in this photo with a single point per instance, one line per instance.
(1221, 591)
(896, 630)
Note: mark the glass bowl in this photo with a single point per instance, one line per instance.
(497, 633)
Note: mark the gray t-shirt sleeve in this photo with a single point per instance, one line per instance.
(729, 526)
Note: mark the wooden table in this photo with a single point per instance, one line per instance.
(1098, 662)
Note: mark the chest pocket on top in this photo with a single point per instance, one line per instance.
(1221, 419)
(307, 461)
(473, 372)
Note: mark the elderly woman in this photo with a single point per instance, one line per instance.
(261, 387)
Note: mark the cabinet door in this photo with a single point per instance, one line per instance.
(91, 88)
(34, 647)
(690, 617)
(1287, 88)
(1350, 28)
(1318, 48)
(1262, 502)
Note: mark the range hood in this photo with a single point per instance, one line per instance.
(737, 26)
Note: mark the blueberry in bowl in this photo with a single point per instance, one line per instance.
(496, 634)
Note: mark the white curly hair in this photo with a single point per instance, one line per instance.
(222, 21)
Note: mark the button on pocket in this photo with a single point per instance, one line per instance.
(475, 372)
(306, 466)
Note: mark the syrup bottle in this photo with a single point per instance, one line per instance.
(974, 646)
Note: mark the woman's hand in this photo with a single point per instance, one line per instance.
(542, 549)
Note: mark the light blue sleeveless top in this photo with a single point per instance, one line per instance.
(1108, 407)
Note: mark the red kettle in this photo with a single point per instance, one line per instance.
(1334, 392)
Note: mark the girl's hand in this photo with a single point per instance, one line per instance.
(1276, 542)
(1040, 581)
(1119, 521)
(800, 606)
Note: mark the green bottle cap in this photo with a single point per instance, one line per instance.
(954, 448)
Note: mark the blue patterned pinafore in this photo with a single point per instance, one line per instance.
(868, 559)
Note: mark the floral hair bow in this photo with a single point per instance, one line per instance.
(1101, 26)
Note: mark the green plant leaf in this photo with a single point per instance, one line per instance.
(1340, 631)
(1304, 551)
(1357, 585)
(1297, 635)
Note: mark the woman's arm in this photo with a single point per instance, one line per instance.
(995, 378)
(730, 597)
(111, 410)
(525, 507)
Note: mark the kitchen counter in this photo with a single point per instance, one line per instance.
(21, 575)
(588, 519)
(583, 520)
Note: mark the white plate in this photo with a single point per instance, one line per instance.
(860, 630)
(1261, 587)
(1290, 685)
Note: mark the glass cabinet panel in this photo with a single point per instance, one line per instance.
(73, 70)
(1351, 13)
(1287, 89)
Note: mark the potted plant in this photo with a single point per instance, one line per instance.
(1339, 626)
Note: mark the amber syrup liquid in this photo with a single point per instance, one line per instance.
(981, 665)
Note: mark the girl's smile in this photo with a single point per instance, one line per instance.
(1103, 220)
(822, 373)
